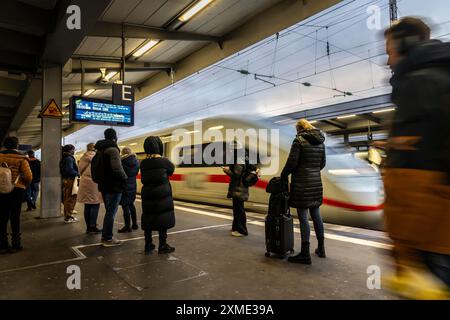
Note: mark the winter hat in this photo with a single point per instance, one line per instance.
(110, 134)
(68, 148)
(153, 145)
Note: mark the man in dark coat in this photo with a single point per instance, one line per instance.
(130, 164)
(113, 185)
(158, 212)
(305, 161)
(417, 175)
(69, 173)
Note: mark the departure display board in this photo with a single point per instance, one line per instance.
(97, 111)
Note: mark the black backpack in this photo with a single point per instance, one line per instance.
(98, 167)
(250, 176)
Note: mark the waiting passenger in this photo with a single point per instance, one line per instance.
(131, 166)
(158, 213)
(88, 191)
(32, 191)
(306, 160)
(69, 174)
(238, 192)
(417, 170)
(108, 172)
(11, 202)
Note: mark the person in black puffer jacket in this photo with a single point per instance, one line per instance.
(306, 160)
(158, 212)
(131, 166)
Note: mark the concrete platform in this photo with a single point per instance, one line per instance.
(208, 263)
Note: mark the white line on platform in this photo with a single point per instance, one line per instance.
(81, 256)
(363, 242)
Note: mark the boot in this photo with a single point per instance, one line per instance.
(303, 257)
(149, 246)
(16, 243)
(320, 251)
(125, 229)
(4, 246)
(165, 248)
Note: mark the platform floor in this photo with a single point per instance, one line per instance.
(208, 263)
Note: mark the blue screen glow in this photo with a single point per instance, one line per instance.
(91, 111)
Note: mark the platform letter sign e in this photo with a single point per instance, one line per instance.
(74, 20)
(74, 280)
(123, 94)
(374, 279)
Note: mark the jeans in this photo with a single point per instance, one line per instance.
(239, 217)
(304, 223)
(129, 211)
(112, 201)
(439, 265)
(10, 208)
(91, 214)
(32, 194)
(162, 237)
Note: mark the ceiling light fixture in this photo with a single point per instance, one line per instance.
(111, 75)
(216, 128)
(194, 10)
(133, 144)
(146, 47)
(384, 110)
(346, 117)
(89, 92)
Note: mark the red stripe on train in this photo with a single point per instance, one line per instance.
(262, 184)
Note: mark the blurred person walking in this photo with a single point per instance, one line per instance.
(107, 171)
(130, 164)
(15, 176)
(32, 191)
(305, 161)
(88, 193)
(158, 212)
(69, 174)
(417, 171)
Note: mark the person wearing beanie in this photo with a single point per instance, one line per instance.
(69, 174)
(112, 181)
(158, 213)
(130, 164)
(11, 203)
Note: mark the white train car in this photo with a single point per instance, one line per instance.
(353, 191)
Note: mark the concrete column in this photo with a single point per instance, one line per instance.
(51, 145)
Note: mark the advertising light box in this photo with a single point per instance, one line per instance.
(97, 111)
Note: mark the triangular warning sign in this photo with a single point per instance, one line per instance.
(51, 110)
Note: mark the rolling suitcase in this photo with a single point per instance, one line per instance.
(279, 226)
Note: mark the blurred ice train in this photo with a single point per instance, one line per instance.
(353, 191)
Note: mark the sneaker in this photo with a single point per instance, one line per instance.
(237, 234)
(111, 243)
(70, 220)
(165, 249)
(124, 229)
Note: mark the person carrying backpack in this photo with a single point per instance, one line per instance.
(108, 173)
(15, 176)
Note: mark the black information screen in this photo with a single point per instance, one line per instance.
(97, 111)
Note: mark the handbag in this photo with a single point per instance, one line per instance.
(75, 186)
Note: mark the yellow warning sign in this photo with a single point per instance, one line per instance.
(51, 110)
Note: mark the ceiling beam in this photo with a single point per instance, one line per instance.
(57, 53)
(77, 87)
(114, 30)
(112, 62)
(30, 99)
(11, 85)
(356, 130)
(19, 62)
(370, 117)
(335, 123)
(7, 101)
(14, 41)
(23, 17)
(6, 113)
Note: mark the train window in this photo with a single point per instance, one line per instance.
(214, 154)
